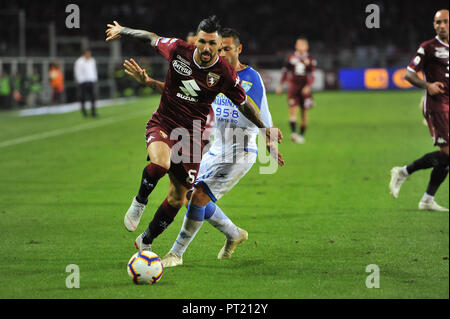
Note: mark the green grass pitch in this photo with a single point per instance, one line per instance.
(314, 226)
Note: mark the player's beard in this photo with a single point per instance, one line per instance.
(203, 54)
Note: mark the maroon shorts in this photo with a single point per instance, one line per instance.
(296, 98)
(436, 115)
(438, 124)
(184, 165)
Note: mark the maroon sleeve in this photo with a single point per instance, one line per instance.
(233, 89)
(419, 60)
(165, 46)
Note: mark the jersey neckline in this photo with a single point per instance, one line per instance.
(203, 67)
(441, 42)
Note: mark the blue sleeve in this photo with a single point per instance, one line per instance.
(254, 88)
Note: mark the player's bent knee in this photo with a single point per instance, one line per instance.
(188, 196)
(176, 201)
(199, 196)
(159, 153)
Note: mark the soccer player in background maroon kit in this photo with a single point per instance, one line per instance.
(298, 72)
(195, 76)
(432, 59)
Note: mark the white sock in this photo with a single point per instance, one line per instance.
(221, 221)
(187, 233)
(405, 171)
(427, 196)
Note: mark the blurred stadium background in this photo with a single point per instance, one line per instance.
(350, 56)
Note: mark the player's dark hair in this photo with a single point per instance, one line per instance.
(209, 25)
(302, 37)
(230, 32)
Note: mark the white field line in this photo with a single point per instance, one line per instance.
(72, 107)
(77, 128)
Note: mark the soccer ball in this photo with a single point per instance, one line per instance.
(145, 267)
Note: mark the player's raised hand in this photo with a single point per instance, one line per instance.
(273, 150)
(274, 134)
(113, 31)
(435, 88)
(133, 69)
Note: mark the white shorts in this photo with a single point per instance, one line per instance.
(220, 177)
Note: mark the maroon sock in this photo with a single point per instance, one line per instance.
(150, 176)
(302, 130)
(163, 218)
(292, 124)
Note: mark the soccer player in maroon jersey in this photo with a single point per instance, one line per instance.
(432, 59)
(191, 38)
(195, 76)
(298, 72)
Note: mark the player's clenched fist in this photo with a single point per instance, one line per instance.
(435, 88)
(113, 31)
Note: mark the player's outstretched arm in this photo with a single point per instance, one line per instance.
(133, 69)
(432, 88)
(272, 134)
(115, 31)
(250, 112)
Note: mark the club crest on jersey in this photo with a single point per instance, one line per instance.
(212, 79)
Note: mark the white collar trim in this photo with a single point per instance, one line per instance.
(443, 43)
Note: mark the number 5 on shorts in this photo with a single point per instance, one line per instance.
(191, 178)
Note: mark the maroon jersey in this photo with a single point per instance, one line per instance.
(298, 70)
(432, 59)
(190, 88)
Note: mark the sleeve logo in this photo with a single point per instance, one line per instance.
(246, 85)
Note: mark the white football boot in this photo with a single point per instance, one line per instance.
(171, 260)
(140, 245)
(133, 215)
(297, 138)
(427, 203)
(230, 244)
(397, 179)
